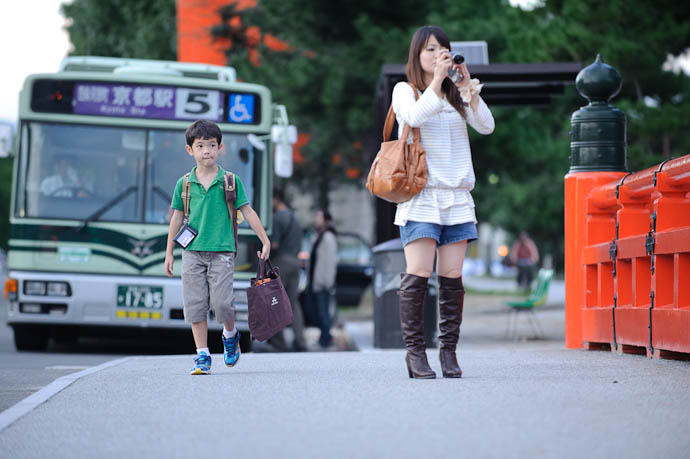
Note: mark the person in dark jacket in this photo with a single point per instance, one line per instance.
(285, 244)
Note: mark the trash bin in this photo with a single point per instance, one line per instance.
(389, 262)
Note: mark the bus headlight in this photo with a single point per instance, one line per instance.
(34, 288)
(58, 289)
(43, 288)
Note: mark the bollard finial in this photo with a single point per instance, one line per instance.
(598, 135)
(598, 82)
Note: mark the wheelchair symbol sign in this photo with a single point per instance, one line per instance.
(241, 108)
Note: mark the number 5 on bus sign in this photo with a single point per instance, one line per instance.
(196, 104)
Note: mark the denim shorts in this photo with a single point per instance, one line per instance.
(442, 234)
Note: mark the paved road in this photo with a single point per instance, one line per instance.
(519, 400)
(23, 373)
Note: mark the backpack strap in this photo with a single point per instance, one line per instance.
(230, 199)
(186, 195)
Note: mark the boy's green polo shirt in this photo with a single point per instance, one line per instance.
(208, 213)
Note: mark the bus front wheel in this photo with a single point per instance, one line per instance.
(31, 337)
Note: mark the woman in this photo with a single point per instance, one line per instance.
(440, 220)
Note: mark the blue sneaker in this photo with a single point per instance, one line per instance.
(202, 364)
(231, 355)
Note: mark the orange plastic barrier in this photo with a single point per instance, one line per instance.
(628, 260)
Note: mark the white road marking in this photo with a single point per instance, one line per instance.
(23, 407)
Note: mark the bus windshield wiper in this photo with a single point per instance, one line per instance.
(107, 206)
(161, 193)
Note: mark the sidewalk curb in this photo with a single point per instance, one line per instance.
(25, 406)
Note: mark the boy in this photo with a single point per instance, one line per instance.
(208, 262)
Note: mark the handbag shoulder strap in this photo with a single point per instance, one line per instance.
(390, 121)
(388, 125)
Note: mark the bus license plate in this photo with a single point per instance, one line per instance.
(139, 296)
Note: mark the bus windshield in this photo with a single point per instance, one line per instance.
(114, 174)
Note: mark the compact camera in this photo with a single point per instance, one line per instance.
(456, 75)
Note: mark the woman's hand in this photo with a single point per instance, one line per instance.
(442, 64)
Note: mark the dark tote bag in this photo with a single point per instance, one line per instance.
(269, 306)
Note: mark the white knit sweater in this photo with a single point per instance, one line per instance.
(446, 198)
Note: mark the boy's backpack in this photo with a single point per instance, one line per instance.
(230, 198)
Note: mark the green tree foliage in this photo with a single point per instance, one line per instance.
(123, 28)
(328, 77)
(328, 80)
(520, 168)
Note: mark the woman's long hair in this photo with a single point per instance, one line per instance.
(415, 73)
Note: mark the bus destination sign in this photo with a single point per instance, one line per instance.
(139, 101)
(133, 100)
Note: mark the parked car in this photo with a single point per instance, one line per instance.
(355, 268)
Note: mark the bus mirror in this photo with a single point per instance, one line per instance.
(283, 160)
(278, 132)
(256, 142)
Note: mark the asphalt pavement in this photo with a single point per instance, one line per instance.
(519, 397)
(524, 400)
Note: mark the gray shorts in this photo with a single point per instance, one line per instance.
(207, 283)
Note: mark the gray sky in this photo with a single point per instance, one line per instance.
(33, 41)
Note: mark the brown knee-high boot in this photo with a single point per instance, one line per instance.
(412, 292)
(450, 303)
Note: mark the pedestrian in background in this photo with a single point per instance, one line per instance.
(286, 243)
(525, 255)
(323, 262)
(208, 262)
(440, 220)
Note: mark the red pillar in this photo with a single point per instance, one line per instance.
(195, 18)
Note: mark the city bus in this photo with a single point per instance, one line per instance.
(100, 148)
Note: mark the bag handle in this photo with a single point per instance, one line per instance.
(388, 125)
(390, 121)
(263, 273)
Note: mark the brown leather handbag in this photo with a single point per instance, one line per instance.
(399, 170)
